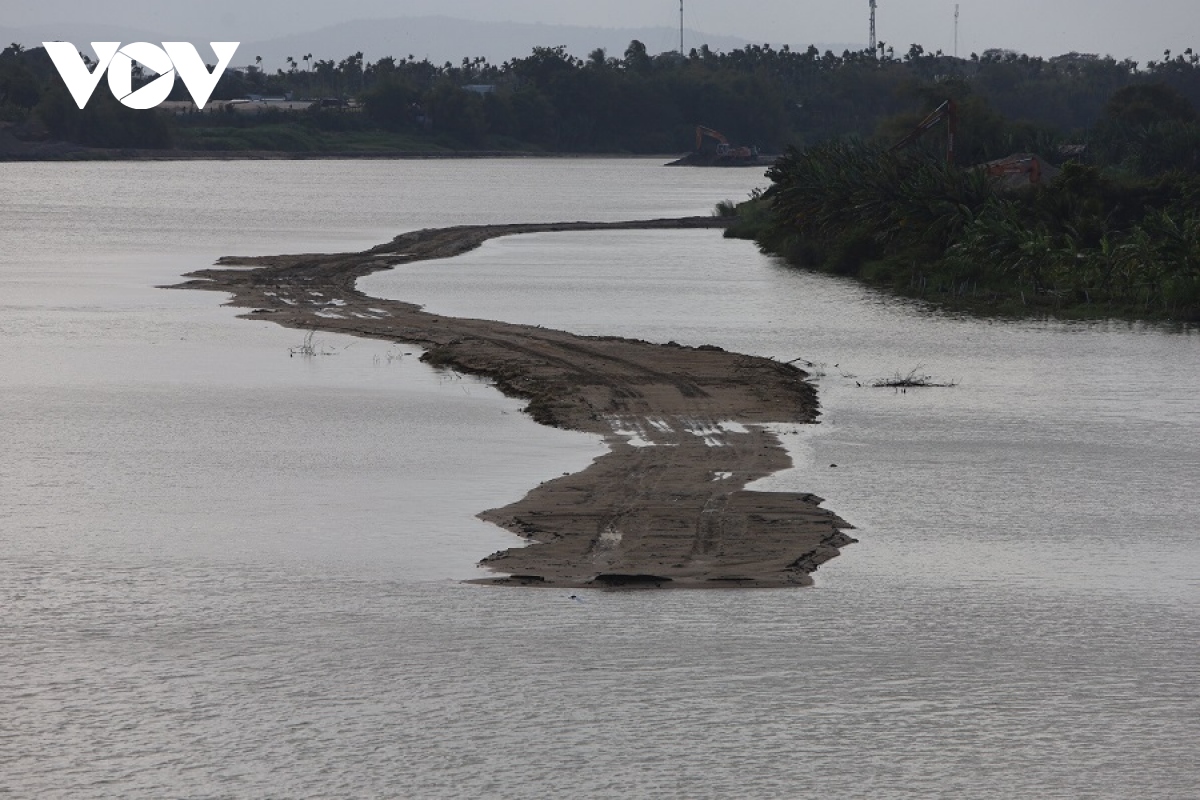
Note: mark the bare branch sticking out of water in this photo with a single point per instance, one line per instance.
(914, 379)
(310, 347)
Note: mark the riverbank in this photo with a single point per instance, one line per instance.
(1088, 243)
(667, 506)
(64, 151)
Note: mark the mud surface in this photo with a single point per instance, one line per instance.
(667, 506)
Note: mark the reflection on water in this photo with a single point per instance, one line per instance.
(229, 572)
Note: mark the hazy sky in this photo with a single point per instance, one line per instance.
(1140, 29)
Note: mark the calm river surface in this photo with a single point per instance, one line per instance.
(228, 572)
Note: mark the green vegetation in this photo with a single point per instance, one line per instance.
(627, 103)
(1116, 237)
(292, 133)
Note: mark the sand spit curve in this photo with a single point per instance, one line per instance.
(666, 507)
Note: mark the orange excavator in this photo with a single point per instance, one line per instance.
(1017, 171)
(947, 112)
(724, 148)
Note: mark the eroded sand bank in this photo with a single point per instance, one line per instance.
(667, 506)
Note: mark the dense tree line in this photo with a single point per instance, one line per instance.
(636, 102)
(31, 90)
(1116, 232)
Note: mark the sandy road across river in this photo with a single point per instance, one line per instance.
(667, 506)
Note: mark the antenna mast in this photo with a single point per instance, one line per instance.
(681, 27)
(872, 26)
(955, 29)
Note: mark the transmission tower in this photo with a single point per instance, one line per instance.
(955, 30)
(681, 29)
(872, 27)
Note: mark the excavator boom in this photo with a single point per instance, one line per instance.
(702, 131)
(948, 112)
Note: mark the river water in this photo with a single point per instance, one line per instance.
(229, 572)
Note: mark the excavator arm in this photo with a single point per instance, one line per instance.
(702, 131)
(947, 112)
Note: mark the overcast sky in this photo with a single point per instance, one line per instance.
(1141, 29)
